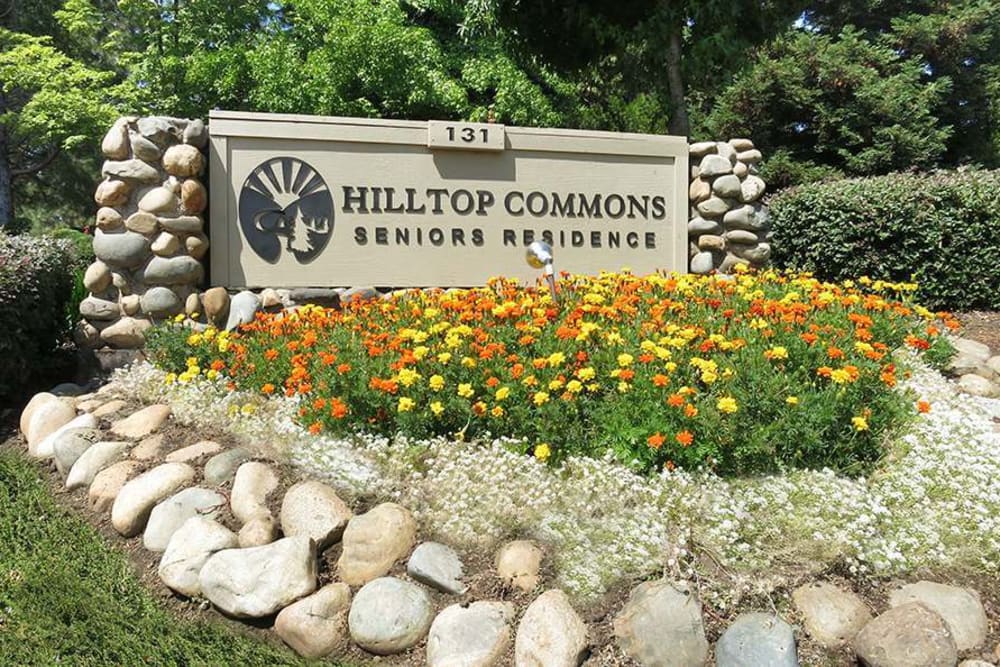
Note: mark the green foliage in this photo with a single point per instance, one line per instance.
(844, 103)
(941, 229)
(36, 288)
(67, 598)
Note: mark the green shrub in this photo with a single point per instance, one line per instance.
(941, 230)
(36, 286)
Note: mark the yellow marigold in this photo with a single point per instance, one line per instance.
(468, 362)
(859, 423)
(436, 382)
(625, 359)
(727, 405)
(574, 386)
(556, 359)
(408, 376)
(437, 408)
(540, 398)
(840, 376)
(497, 411)
(585, 374)
(194, 339)
(502, 393)
(465, 390)
(623, 387)
(170, 378)
(179, 318)
(420, 351)
(444, 357)
(777, 352)
(555, 385)
(405, 404)
(792, 400)
(543, 452)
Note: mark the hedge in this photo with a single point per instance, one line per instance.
(940, 229)
(37, 278)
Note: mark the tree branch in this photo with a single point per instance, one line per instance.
(38, 166)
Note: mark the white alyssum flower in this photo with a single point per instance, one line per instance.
(934, 501)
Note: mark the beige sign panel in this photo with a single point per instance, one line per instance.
(306, 201)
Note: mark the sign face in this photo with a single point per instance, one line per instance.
(307, 201)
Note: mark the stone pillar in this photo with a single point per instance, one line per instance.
(728, 225)
(150, 238)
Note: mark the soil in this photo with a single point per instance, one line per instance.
(982, 326)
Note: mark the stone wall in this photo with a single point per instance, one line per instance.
(149, 237)
(728, 225)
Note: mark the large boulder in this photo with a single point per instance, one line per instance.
(316, 626)
(108, 484)
(138, 497)
(661, 624)
(910, 635)
(550, 633)
(253, 483)
(169, 515)
(314, 509)
(477, 635)
(519, 563)
(256, 582)
(94, 460)
(960, 608)
(832, 617)
(70, 444)
(389, 615)
(142, 423)
(757, 639)
(374, 541)
(45, 418)
(438, 566)
(45, 448)
(189, 549)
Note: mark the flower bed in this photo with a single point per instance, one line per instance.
(757, 373)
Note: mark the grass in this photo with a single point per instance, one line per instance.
(67, 598)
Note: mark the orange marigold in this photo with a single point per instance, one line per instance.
(685, 438)
(656, 440)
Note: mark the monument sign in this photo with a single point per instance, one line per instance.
(300, 201)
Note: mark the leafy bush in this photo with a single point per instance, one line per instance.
(941, 230)
(36, 286)
(754, 374)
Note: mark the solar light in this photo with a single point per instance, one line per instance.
(539, 256)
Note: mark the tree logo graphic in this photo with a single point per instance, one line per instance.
(284, 198)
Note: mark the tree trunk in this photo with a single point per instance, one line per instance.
(6, 178)
(679, 124)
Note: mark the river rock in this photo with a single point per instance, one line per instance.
(316, 625)
(144, 149)
(713, 207)
(242, 309)
(196, 133)
(108, 483)
(112, 193)
(192, 306)
(715, 165)
(745, 217)
(48, 421)
(389, 615)
(131, 170)
(437, 566)
(374, 541)
(173, 271)
(215, 301)
(109, 408)
(976, 385)
(832, 617)
(741, 169)
(29, 410)
(960, 608)
(115, 142)
(725, 150)
(971, 348)
(757, 639)
(728, 186)
(474, 636)
(141, 222)
(253, 483)
(193, 452)
(160, 302)
(159, 200)
(752, 156)
(183, 160)
(94, 460)
(97, 277)
(189, 548)
(698, 226)
(751, 189)
(196, 245)
(137, 498)
(740, 145)
(108, 219)
(120, 250)
(711, 243)
(70, 444)
(661, 625)
(222, 467)
(702, 263)
(158, 130)
(313, 509)
(756, 254)
(519, 562)
(910, 635)
(170, 514)
(99, 310)
(256, 582)
(142, 423)
(193, 197)
(741, 236)
(699, 190)
(701, 149)
(126, 333)
(260, 530)
(183, 224)
(550, 633)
